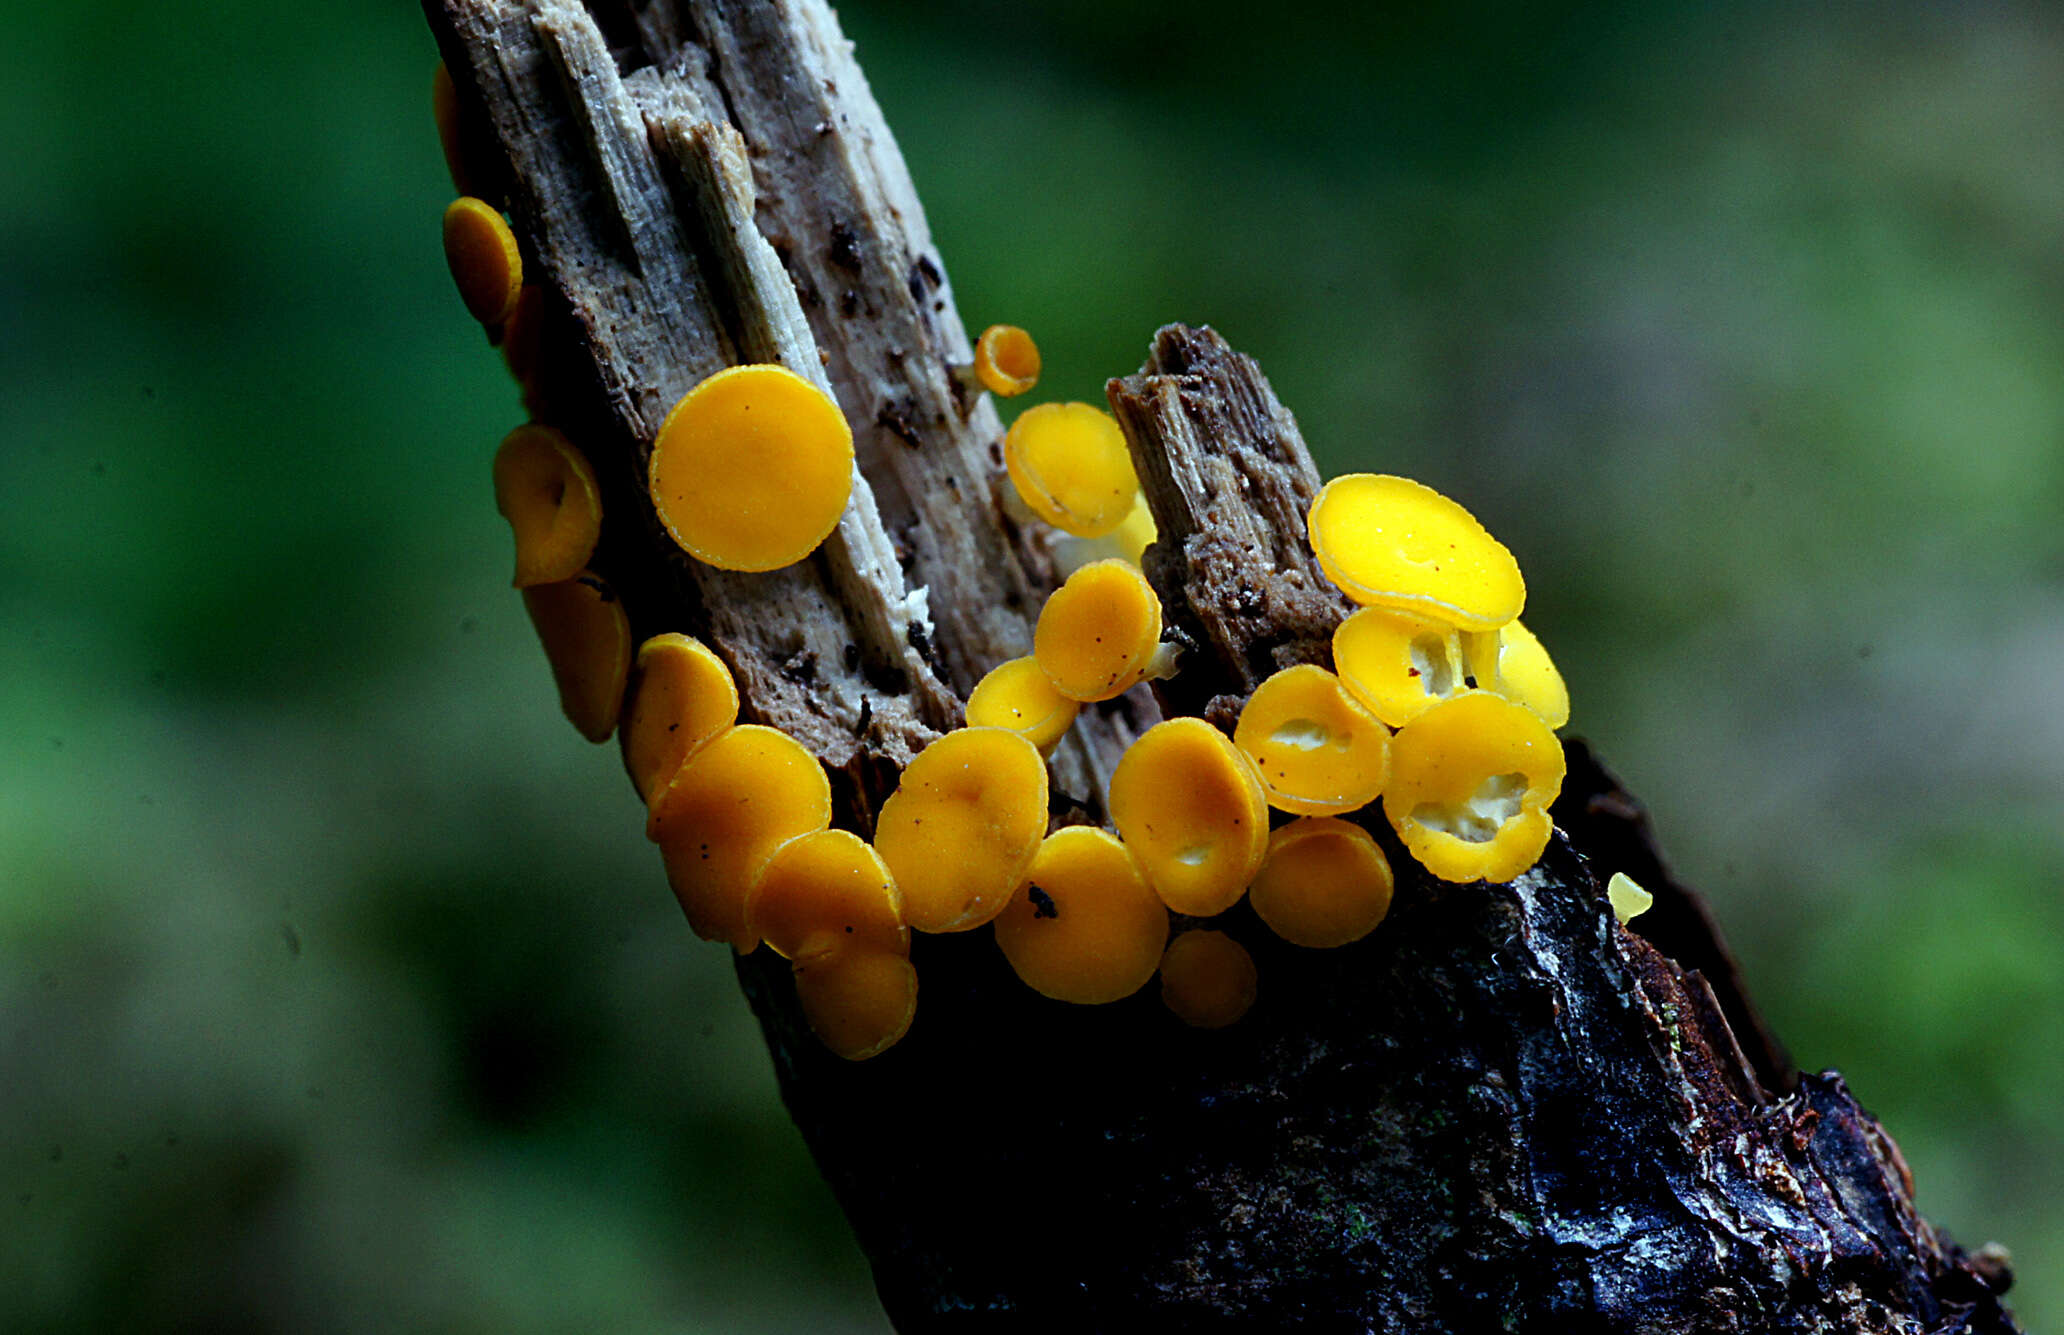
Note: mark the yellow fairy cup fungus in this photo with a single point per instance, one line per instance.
(962, 825)
(1006, 360)
(1097, 634)
(823, 892)
(858, 1002)
(1511, 662)
(728, 807)
(1392, 542)
(485, 263)
(1017, 697)
(1084, 927)
(1128, 542)
(1628, 899)
(1324, 883)
(1397, 665)
(752, 468)
(1190, 808)
(547, 492)
(1470, 784)
(1070, 464)
(681, 697)
(1208, 979)
(1136, 532)
(587, 641)
(444, 105)
(1317, 751)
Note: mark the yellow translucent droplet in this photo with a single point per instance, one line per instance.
(1628, 899)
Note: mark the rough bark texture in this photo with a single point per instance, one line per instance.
(1502, 1111)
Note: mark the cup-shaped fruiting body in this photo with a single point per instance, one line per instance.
(1392, 542)
(1016, 696)
(1208, 979)
(1070, 463)
(1324, 883)
(485, 263)
(587, 640)
(1006, 360)
(1627, 898)
(752, 468)
(1470, 784)
(962, 825)
(444, 106)
(858, 1002)
(745, 793)
(681, 697)
(1318, 752)
(1191, 809)
(1084, 927)
(826, 891)
(1097, 633)
(547, 492)
(1516, 665)
(1397, 664)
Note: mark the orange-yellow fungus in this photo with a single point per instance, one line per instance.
(1208, 979)
(1627, 898)
(1317, 751)
(1016, 696)
(1006, 360)
(587, 641)
(728, 807)
(1097, 634)
(681, 697)
(1324, 883)
(859, 1003)
(962, 825)
(1136, 532)
(547, 492)
(1084, 927)
(1396, 664)
(826, 891)
(485, 263)
(1070, 463)
(1470, 784)
(519, 334)
(1516, 665)
(1190, 807)
(1392, 542)
(752, 468)
(444, 106)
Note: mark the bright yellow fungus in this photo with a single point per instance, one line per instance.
(1097, 634)
(1396, 664)
(752, 468)
(1070, 463)
(1511, 662)
(485, 263)
(1324, 883)
(1190, 807)
(826, 891)
(1136, 532)
(681, 697)
(728, 807)
(1628, 899)
(1006, 360)
(1318, 752)
(1208, 979)
(1128, 542)
(1016, 696)
(1392, 542)
(1470, 784)
(1084, 927)
(962, 826)
(547, 492)
(859, 1003)
(444, 105)
(587, 641)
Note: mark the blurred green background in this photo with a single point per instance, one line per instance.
(338, 988)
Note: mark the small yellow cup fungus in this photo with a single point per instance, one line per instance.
(1628, 899)
(1324, 883)
(485, 263)
(444, 106)
(1006, 360)
(587, 641)
(1396, 664)
(1016, 696)
(752, 468)
(728, 807)
(1128, 542)
(1470, 784)
(1318, 752)
(681, 697)
(1136, 532)
(826, 891)
(1392, 542)
(1514, 664)
(547, 492)
(1070, 463)
(1084, 927)
(1208, 979)
(962, 826)
(1097, 634)
(859, 1003)
(1190, 807)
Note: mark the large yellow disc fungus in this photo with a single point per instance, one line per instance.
(1190, 808)
(1070, 463)
(547, 492)
(1097, 634)
(962, 826)
(727, 808)
(1470, 784)
(1511, 662)
(826, 891)
(1016, 696)
(1208, 979)
(1084, 927)
(1396, 664)
(752, 468)
(1006, 360)
(858, 1002)
(1317, 751)
(1324, 883)
(1392, 542)
(587, 641)
(485, 263)
(681, 697)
